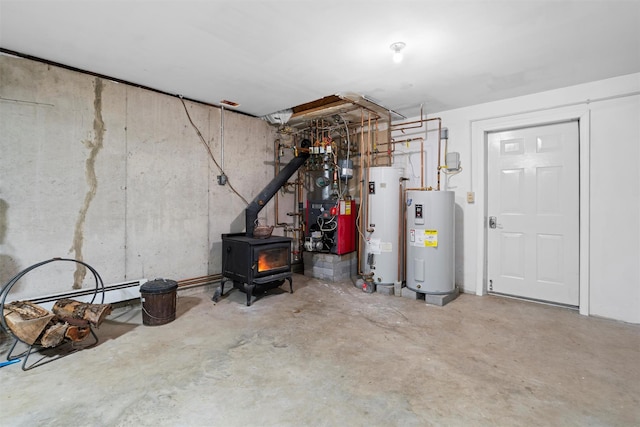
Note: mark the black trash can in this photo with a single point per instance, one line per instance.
(158, 301)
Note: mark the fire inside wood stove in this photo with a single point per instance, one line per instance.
(272, 259)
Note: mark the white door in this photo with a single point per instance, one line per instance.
(533, 213)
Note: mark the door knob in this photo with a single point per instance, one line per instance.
(493, 222)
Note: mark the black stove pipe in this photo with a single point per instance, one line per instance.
(256, 205)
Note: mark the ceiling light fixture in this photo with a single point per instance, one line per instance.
(397, 51)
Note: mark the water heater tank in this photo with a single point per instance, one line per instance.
(430, 241)
(382, 255)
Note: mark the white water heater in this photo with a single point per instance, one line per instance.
(382, 255)
(430, 241)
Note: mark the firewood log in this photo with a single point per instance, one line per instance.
(93, 313)
(77, 333)
(26, 320)
(54, 334)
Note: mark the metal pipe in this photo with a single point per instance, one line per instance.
(276, 155)
(222, 138)
(422, 120)
(422, 150)
(362, 197)
(422, 163)
(200, 281)
(439, 155)
(394, 142)
(400, 232)
(301, 224)
(369, 143)
(256, 205)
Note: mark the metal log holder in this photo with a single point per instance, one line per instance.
(65, 348)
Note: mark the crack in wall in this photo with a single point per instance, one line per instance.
(90, 173)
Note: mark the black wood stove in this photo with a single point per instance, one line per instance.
(253, 264)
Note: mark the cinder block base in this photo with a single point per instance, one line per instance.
(330, 267)
(408, 293)
(441, 300)
(385, 289)
(397, 289)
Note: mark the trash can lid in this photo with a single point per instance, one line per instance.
(159, 286)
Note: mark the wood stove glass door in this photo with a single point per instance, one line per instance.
(272, 259)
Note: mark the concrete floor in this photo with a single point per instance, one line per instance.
(331, 355)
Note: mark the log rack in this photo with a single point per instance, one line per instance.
(49, 354)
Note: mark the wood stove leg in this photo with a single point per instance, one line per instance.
(290, 285)
(219, 292)
(249, 291)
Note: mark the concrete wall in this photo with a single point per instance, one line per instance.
(117, 176)
(609, 113)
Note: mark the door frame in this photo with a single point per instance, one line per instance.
(479, 153)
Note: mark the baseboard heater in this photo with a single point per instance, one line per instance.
(118, 292)
(114, 293)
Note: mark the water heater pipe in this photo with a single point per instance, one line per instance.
(421, 121)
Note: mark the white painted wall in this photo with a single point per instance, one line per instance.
(610, 139)
(157, 210)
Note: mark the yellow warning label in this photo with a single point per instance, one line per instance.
(431, 238)
(345, 207)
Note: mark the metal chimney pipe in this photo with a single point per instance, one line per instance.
(260, 201)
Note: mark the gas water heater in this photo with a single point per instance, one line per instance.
(382, 255)
(430, 259)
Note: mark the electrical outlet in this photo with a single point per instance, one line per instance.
(471, 197)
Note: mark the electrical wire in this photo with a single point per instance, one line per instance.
(204, 142)
(448, 174)
(321, 223)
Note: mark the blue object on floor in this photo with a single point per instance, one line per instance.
(9, 362)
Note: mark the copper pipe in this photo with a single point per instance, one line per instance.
(419, 189)
(422, 120)
(389, 140)
(394, 142)
(422, 150)
(276, 168)
(279, 224)
(362, 197)
(200, 281)
(421, 139)
(421, 162)
(401, 232)
(369, 144)
(439, 155)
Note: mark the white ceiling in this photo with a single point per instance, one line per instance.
(271, 55)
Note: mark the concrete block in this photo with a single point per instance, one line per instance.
(330, 266)
(408, 293)
(320, 272)
(385, 289)
(441, 300)
(397, 289)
